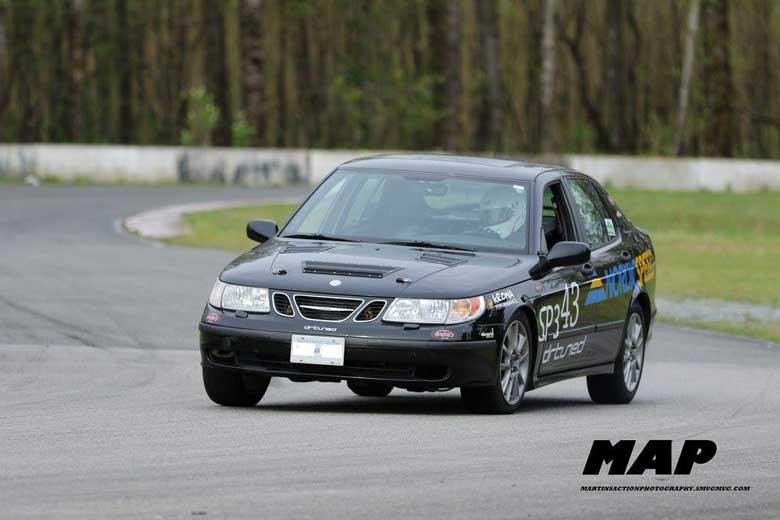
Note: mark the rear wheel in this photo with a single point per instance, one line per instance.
(620, 387)
(230, 388)
(369, 388)
(514, 368)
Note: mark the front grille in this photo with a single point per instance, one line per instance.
(371, 311)
(326, 308)
(283, 305)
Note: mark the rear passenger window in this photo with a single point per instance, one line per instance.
(595, 221)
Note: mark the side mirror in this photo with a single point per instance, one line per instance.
(261, 230)
(562, 253)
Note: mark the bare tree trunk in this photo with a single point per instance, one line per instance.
(592, 110)
(2, 43)
(547, 80)
(452, 73)
(22, 58)
(216, 69)
(718, 81)
(124, 67)
(491, 114)
(5, 84)
(252, 65)
(616, 74)
(687, 74)
(77, 64)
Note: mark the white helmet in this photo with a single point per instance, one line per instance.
(503, 209)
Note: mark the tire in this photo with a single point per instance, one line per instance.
(230, 388)
(621, 386)
(369, 388)
(513, 373)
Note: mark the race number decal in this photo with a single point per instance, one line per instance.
(561, 316)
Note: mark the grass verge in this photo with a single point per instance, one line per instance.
(226, 228)
(755, 329)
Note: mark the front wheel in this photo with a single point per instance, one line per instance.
(230, 388)
(514, 368)
(620, 387)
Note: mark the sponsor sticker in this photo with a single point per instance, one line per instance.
(558, 352)
(610, 227)
(488, 334)
(502, 298)
(443, 334)
(212, 317)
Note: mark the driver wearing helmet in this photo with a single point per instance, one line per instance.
(502, 211)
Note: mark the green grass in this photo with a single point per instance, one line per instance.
(756, 329)
(711, 245)
(226, 228)
(708, 245)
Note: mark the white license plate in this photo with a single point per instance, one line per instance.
(317, 350)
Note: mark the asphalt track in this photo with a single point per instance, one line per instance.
(102, 413)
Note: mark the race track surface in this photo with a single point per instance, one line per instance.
(102, 411)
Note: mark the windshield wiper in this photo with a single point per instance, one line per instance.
(425, 243)
(320, 236)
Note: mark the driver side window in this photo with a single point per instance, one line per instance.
(556, 222)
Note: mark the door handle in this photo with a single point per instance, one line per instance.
(587, 270)
(625, 255)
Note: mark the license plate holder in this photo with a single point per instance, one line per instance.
(317, 350)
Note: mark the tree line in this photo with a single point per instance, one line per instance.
(687, 77)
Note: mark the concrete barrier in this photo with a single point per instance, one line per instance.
(285, 167)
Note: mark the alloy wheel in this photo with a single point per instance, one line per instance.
(633, 352)
(515, 362)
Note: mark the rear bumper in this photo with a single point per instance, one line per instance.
(403, 363)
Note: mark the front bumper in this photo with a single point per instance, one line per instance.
(411, 364)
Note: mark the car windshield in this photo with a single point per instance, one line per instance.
(425, 210)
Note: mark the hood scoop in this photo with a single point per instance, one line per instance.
(447, 259)
(359, 270)
(301, 248)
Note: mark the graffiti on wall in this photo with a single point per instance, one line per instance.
(250, 170)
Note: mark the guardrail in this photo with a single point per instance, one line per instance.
(284, 167)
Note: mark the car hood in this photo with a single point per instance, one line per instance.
(375, 269)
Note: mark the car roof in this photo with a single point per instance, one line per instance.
(452, 165)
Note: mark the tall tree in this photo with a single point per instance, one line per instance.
(28, 113)
(452, 80)
(686, 75)
(77, 49)
(216, 69)
(547, 79)
(717, 82)
(592, 108)
(615, 68)
(125, 69)
(5, 86)
(490, 127)
(252, 65)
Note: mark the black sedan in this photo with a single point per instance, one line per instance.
(430, 272)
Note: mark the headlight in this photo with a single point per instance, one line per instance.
(406, 310)
(239, 298)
